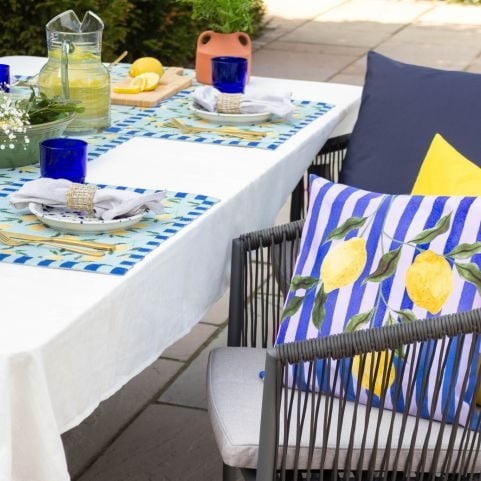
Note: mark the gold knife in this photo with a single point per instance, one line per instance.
(62, 240)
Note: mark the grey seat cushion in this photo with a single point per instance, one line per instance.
(234, 392)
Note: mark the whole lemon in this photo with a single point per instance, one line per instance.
(384, 359)
(146, 64)
(429, 281)
(343, 264)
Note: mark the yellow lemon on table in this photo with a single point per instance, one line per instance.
(343, 264)
(429, 281)
(146, 64)
(384, 359)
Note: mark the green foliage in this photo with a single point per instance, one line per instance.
(22, 23)
(225, 16)
(160, 28)
(41, 109)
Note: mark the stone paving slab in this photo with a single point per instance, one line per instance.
(452, 57)
(184, 348)
(389, 13)
(189, 388)
(447, 14)
(360, 34)
(457, 35)
(83, 443)
(305, 65)
(165, 443)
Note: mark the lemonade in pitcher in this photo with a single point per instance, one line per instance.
(74, 69)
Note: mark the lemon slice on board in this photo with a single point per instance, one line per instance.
(135, 86)
(151, 80)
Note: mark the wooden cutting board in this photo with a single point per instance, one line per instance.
(172, 81)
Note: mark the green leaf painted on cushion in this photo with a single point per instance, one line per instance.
(428, 235)
(344, 229)
(465, 251)
(391, 321)
(471, 273)
(386, 267)
(319, 309)
(303, 282)
(293, 306)
(358, 320)
(400, 352)
(406, 315)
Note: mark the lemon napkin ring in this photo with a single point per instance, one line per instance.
(228, 103)
(81, 197)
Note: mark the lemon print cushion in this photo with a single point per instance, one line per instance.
(368, 259)
(445, 171)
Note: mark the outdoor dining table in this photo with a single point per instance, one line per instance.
(70, 339)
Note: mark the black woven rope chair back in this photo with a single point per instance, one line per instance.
(339, 432)
(263, 262)
(262, 266)
(328, 164)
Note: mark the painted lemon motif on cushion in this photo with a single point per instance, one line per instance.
(343, 264)
(384, 359)
(429, 281)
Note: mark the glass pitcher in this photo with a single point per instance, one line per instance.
(74, 69)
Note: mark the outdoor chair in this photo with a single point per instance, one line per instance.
(307, 434)
(318, 419)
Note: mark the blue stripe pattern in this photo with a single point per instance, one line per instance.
(389, 222)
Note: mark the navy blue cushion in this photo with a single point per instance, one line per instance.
(403, 106)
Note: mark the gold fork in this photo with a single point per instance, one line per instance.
(230, 131)
(9, 241)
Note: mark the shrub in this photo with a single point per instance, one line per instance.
(22, 24)
(158, 28)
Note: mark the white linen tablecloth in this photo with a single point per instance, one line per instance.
(70, 339)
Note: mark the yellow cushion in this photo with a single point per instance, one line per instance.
(445, 171)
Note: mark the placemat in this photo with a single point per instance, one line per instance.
(133, 244)
(128, 122)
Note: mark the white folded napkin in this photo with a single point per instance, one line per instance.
(108, 203)
(252, 101)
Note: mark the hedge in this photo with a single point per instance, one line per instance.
(159, 28)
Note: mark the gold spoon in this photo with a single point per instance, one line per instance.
(118, 59)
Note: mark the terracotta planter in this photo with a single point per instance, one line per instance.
(213, 44)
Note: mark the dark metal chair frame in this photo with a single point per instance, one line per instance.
(261, 262)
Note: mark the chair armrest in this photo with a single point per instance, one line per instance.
(380, 439)
(261, 263)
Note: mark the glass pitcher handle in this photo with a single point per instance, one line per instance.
(66, 49)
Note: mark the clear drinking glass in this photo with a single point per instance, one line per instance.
(74, 69)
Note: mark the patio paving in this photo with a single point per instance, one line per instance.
(156, 427)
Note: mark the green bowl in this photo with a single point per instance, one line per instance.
(27, 154)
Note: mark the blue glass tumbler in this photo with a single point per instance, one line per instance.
(229, 74)
(4, 77)
(62, 158)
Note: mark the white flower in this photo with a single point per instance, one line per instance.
(13, 121)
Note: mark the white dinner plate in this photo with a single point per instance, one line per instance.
(72, 221)
(229, 118)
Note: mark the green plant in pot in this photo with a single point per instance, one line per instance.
(24, 123)
(230, 23)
